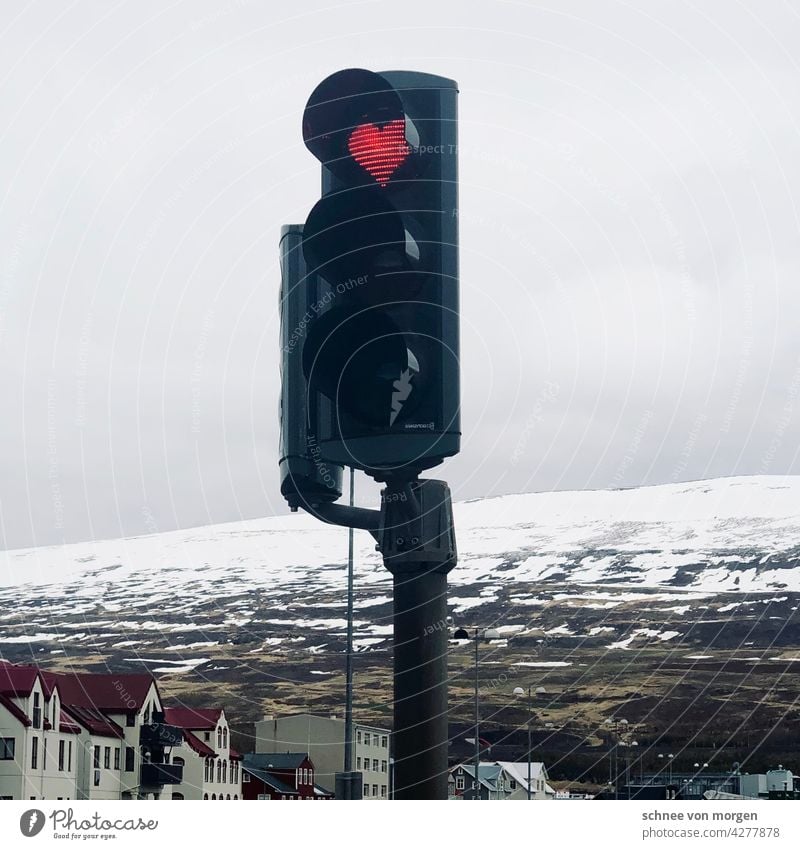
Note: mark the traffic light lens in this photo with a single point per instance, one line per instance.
(380, 151)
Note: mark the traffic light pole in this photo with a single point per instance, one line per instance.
(416, 536)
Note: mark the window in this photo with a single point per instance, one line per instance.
(224, 738)
(147, 715)
(383, 791)
(129, 758)
(97, 778)
(245, 778)
(228, 797)
(7, 745)
(358, 763)
(311, 776)
(374, 789)
(37, 711)
(97, 757)
(54, 705)
(205, 797)
(219, 771)
(512, 784)
(384, 766)
(374, 764)
(107, 758)
(69, 756)
(213, 797)
(207, 736)
(178, 761)
(116, 758)
(130, 719)
(34, 753)
(366, 790)
(219, 738)
(358, 736)
(384, 741)
(224, 771)
(61, 752)
(459, 782)
(366, 738)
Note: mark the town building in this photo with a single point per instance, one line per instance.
(322, 738)
(211, 767)
(287, 776)
(499, 780)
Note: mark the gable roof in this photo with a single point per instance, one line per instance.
(18, 680)
(193, 718)
(66, 724)
(271, 781)
(106, 692)
(197, 745)
(519, 771)
(276, 760)
(487, 773)
(15, 711)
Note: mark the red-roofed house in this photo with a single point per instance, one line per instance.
(38, 742)
(110, 741)
(211, 768)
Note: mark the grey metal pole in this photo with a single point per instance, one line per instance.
(476, 783)
(530, 717)
(348, 704)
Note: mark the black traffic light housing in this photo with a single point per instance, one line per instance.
(381, 356)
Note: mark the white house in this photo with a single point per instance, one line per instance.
(211, 767)
(38, 742)
(500, 780)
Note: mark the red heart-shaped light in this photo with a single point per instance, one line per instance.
(379, 150)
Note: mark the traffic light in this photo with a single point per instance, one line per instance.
(381, 354)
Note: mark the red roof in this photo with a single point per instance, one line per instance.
(185, 717)
(198, 745)
(17, 680)
(14, 710)
(94, 721)
(66, 725)
(111, 693)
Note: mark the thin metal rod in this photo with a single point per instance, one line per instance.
(530, 717)
(348, 703)
(477, 784)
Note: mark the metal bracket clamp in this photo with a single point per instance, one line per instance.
(417, 527)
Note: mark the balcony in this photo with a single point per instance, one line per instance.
(158, 735)
(156, 775)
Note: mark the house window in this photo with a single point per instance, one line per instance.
(384, 741)
(219, 771)
(147, 715)
(358, 736)
(177, 795)
(116, 758)
(37, 711)
(61, 746)
(375, 765)
(245, 778)
(207, 736)
(311, 776)
(130, 719)
(129, 758)
(97, 757)
(366, 738)
(69, 756)
(205, 797)
(7, 745)
(384, 766)
(366, 790)
(34, 752)
(358, 763)
(512, 784)
(224, 738)
(224, 771)
(97, 778)
(374, 789)
(383, 791)
(107, 757)
(219, 738)
(459, 782)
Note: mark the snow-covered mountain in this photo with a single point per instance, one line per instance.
(528, 560)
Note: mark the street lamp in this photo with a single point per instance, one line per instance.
(617, 728)
(518, 691)
(486, 635)
(669, 760)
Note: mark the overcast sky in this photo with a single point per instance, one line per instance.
(629, 243)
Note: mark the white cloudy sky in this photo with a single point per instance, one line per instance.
(630, 259)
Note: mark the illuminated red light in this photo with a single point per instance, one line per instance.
(379, 150)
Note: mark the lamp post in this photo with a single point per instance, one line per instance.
(518, 691)
(487, 634)
(617, 728)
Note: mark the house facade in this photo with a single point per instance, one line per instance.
(322, 738)
(500, 780)
(211, 767)
(287, 776)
